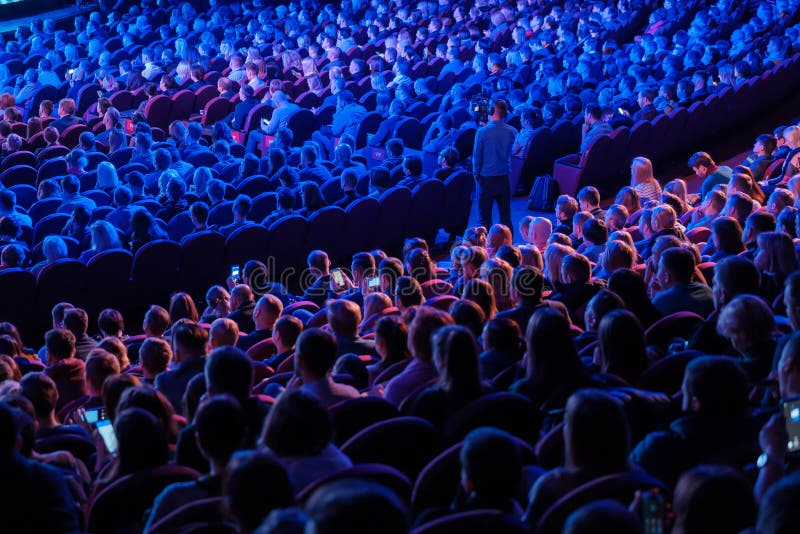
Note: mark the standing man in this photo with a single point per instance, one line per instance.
(491, 162)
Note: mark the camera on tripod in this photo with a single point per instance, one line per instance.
(479, 105)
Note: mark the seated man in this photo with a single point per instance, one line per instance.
(315, 355)
(396, 113)
(34, 484)
(287, 329)
(319, 266)
(344, 316)
(595, 236)
(66, 116)
(63, 367)
(241, 209)
(286, 200)
(76, 321)
(43, 394)
(349, 180)
(222, 333)
(412, 169)
(242, 305)
(715, 427)
(154, 355)
(189, 345)
(678, 291)
(712, 174)
(220, 427)
(238, 116)
(502, 347)
(267, 311)
(748, 323)
(526, 288)
(589, 200)
(578, 287)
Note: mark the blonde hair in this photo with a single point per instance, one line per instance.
(641, 171)
(663, 217)
(554, 254)
(792, 136)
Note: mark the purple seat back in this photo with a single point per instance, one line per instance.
(286, 250)
(155, 272)
(121, 505)
(679, 324)
(384, 475)
(109, 279)
(386, 442)
(245, 244)
(360, 223)
(326, 229)
(508, 411)
(473, 522)
(350, 416)
(202, 262)
(395, 205)
(426, 214)
(18, 174)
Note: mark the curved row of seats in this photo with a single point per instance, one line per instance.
(128, 282)
(605, 162)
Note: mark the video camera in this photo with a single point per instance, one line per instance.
(479, 105)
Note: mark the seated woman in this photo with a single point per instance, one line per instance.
(54, 248)
(597, 443)
(144, 230)
(554, 370)
(391, 340)
(455, 355)
(621, 350)
(104, 237)
(297, 433)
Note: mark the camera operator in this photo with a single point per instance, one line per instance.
(491, 162)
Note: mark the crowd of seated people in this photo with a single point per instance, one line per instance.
(652, 342)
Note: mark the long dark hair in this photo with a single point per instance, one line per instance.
(551, 356)
(455, 354)
(622, 345)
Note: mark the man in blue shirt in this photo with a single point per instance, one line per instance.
(491, 163)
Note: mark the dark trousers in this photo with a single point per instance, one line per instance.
(491, 189)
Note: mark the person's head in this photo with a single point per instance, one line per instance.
(776, 254)
(228, 370)
(702, 164)
(713, 498)
(407, 293)
(220, 428)
(616, 217)
(551, 354)
(746, 321)
(622, 345)
(676, 267)
(297, 426)
(111, 323)
(356, 507)
(223, 332)
(247, 498)
(181, 306)
(641, 171)
(588, 198)
(315, 354)
(455, 355)
(596, 432)
(59, 344)
(576, 269)
(142, 440)
(629, 198)
(490, 464)
(714, 385)
(154, 356)
(344, 316)
(43, 394)
(189, 340)
(482, 293)
(734, 276)
(726, 233)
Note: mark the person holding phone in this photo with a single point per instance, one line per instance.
(779, 437)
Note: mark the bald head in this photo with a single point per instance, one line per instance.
(241, 295)
(267, 310)
(344, 317)
(224, 332)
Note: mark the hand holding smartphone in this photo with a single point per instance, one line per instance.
(106, 431)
